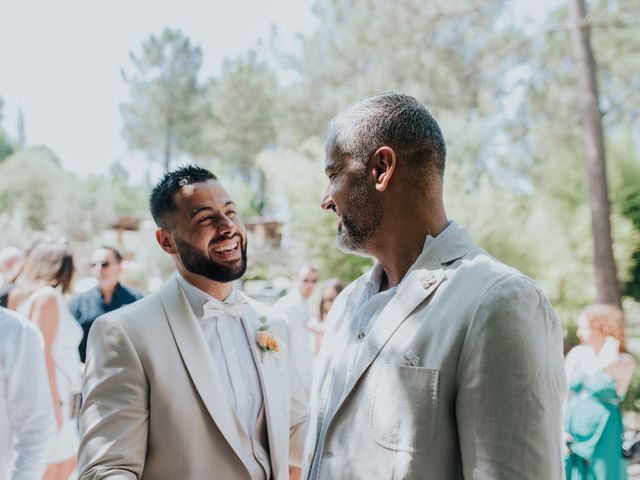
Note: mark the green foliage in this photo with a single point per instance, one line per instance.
(6, 148)
(242, 103)
(625, 181)
(167, 106)
(28, 183)
(449, 55)
(36, 194)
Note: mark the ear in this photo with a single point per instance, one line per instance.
(384, 165)
(165, 240)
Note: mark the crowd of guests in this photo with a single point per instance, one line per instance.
(43, 338)
(45, 342)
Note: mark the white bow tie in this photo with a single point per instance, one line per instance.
(217, 309)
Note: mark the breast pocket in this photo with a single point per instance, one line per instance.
(404, 409)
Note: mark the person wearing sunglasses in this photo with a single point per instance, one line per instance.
(108, 295)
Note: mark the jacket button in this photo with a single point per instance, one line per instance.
(360, 335)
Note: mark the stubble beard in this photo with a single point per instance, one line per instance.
(357, 229)
(199, 263)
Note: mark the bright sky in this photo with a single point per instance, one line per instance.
(60, 61)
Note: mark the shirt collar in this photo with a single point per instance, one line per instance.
(197, 298)
(372, 286)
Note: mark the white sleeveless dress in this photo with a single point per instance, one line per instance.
(68, 373)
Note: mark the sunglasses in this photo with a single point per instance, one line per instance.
(104, 264)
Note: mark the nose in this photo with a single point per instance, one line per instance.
(227, 227)
(327, 202)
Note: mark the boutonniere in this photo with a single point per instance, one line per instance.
(265, 339)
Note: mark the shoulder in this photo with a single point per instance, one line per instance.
(139, 315)
(79, 300)
(84, 295)
(45, 293)
(132, 292)
(514, 306)
(512, 289)
(46, 298)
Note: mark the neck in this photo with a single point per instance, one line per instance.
(398, 249)
(107, 291)
(217, 290)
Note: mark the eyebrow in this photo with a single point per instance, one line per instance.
(197, 210)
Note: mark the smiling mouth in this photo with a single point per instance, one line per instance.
(226, 249)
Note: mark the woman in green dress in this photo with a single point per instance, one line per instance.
(599, 372)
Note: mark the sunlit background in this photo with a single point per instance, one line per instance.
(100, 97)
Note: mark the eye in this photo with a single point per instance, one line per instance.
(332, 177)
(204, 219)
(231, 213)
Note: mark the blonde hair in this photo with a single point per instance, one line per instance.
(607, 319)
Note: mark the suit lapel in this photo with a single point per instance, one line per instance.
(199, 361)
(421, 282)
(272, 388)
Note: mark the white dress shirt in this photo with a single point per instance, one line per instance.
(27, 421)
(229, 345)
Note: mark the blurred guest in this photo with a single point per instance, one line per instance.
(329, 292)
(599, 372)
(47, 275)
(27, 423)
(294, 305)
(108, 295)
(11, 261)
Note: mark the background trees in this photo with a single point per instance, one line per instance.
(167, 107)
(504, 91)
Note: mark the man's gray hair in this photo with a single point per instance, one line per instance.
(390, 119)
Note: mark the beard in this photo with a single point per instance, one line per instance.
(200, 263)
(357, 228)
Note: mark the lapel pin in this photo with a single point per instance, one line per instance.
(429, 280)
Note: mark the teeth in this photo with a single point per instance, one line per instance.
(226, 248)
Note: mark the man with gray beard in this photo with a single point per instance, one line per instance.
(441, 363)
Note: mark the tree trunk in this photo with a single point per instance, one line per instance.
(593, 142)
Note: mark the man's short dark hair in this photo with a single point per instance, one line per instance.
(114, 250)
(396, 120)
(162, 201)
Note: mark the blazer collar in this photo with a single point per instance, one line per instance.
(199, 362)
(271, 382)
(421, 282)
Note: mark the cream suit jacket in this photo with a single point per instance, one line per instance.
(460, 377)
(154, 406)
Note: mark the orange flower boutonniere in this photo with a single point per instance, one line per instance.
(265, 339)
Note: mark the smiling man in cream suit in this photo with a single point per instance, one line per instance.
(194, 381)
(441, 363)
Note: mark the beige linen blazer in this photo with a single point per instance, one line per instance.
(154, 406)
(461, 376)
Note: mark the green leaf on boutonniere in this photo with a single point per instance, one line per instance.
(263, 319)
(263, 328)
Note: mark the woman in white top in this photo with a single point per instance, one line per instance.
(46, 276)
